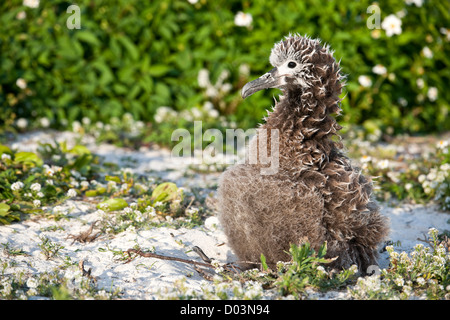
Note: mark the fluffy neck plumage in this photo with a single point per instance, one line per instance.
(306, 127)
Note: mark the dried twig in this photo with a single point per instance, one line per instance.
(202, 255)
(159, 256)
(204, 274)
(85, 237)
(445, 241)
(229, 266)
(426, 240)
(86, 273)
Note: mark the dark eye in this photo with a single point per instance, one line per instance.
(292, 64)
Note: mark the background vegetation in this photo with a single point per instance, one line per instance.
(137, 70)
(135, 56)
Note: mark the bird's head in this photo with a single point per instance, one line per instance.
(300, 63)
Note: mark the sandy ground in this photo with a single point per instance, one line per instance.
(145, 278)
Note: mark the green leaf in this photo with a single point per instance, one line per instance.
(79, 150)
(113, 204)
(158, 70)
(81, 163)
(96, 192)
(129, 46)
(88, 37)
(113, 178)
(5, 149)
(263, 262)
(322, 250)
(28, 158)
(165, 192)
(4, 209)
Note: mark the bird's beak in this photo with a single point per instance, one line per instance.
(271, 79)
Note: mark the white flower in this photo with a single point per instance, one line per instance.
(84, 184)
(16, 186)
(5, 157)
(213, 113)
(21, 83)
(418, 3)
(49, 172)
(86, 121)
(433, 232)
(22, 123)
(99, 125)
(399, 281)
(71, 193)
(36, 187)
(31, 3)
(32, 282)
(432, 93)
(104, 206)
(244, 69)
(392, 25)
(321, 269)
(226, 87)
(76, 126)
(192, 211)
(40, 194)
(37, 203)
(212, 92)
(192, 1)
(394, 176)
(365, 159)
(408, 186)
(442, 144)
(44, 122)
(420, 83)
(402, 101)
(208, 106)
(151, 211)
(379, 69)
(128, 210)
(203, 78)
(421, 281)
(196, 113)
(21, 15)
(445, 32)
(427, 52)
(383, 164)
(163, 113)
(364, 81)
(243, 19)
(158, 204)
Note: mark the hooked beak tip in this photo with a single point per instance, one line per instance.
(268, 80)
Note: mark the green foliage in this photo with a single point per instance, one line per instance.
(113, 204)
(134, 56)
(49, 248)
(40, 182)
(424, 273)
(165, 192)
(305, 270)
(423, 178)
(27, 184)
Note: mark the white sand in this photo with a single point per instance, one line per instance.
(143, 277)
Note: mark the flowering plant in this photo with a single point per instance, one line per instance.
(129, 60)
